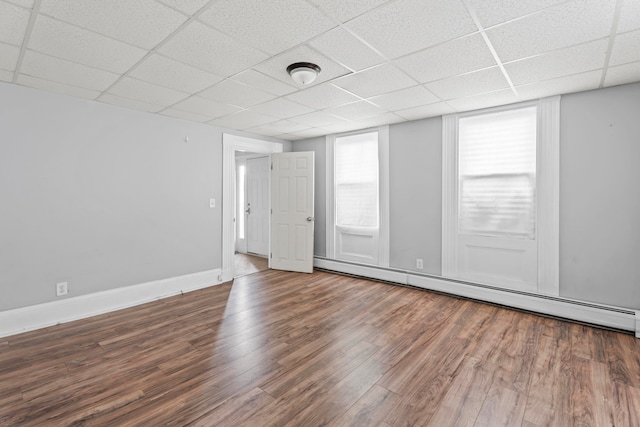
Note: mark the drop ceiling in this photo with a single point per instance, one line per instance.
(223, 62)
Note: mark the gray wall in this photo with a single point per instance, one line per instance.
(415, 195)
(599, 198)
(101, 196)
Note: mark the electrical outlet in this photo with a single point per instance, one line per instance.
(419, 263)
(62, 288)
(212, 203)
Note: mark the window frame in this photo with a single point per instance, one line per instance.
(547, 189)
(383, 192)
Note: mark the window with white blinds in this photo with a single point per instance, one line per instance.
(356, 180)
(497, 174)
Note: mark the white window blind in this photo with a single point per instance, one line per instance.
(356, 180)
(497, 174)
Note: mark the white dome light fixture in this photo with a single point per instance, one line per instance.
(303, 73)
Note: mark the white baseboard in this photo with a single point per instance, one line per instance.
(597, 314)
(66, 310)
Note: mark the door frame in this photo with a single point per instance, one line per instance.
(230, 144)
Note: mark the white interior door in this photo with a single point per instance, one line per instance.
(257, 208)
(292, 222)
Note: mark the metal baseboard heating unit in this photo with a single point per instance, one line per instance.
(611, 317)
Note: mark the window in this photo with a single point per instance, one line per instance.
(500, 196)
(357, 197)
(356, 180)
(497, 173)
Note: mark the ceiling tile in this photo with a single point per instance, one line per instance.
(108, 98)
(282, 108)
(187, 6)
(142, 23)
(203, 47)
(8, 56)
(622, 74)
(6, 76)
(356, 111)
(431, 110)
(404, 98)
(205, 107)
(147, 92)
(560, 26)
(486, 100)
(272, 26)
(243, 120)
(345, 10)
(316, 119)
(339, 127)
(405, 26)
(56, 87)
(13, 23)
(492, 12)
(261, 81)
(231, 92)
(375, 81)
(304, 134)
(381, 120)
(276, 67)
(173, 74)
(323, 96)
(488, 80)
(626, 48)
(24, 3)
(282, 126)
(629, 16)
(448, 59)
(55, 38)
(347, 50)
(62, 71)
(568, 84)
(563, 62)
(185, 115)
(266, 132)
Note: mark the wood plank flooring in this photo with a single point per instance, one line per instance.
(248, 264)
(289, 349)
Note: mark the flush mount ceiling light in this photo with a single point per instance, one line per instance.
(303, 73)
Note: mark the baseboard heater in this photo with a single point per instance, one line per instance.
(612, 317)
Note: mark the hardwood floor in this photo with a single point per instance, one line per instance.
(248, 264)
(289, 349)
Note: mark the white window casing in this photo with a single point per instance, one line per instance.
(528, 211)
(350, 231)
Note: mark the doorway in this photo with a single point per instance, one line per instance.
(233, 144)
(252, 203)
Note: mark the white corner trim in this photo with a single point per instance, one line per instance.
(66, 310)
(597, 314)
(548, 164)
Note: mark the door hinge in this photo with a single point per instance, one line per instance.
(270, 254)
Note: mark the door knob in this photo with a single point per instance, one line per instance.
(248, 211)
(309, 218)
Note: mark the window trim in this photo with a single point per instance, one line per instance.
(383, 196)
(547, 172)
